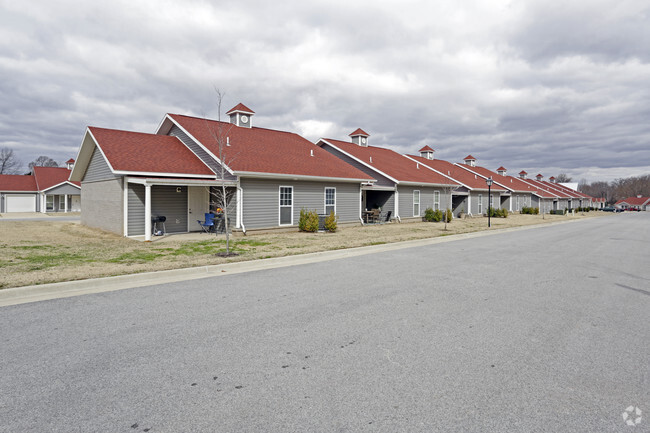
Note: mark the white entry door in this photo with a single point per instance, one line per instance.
(76, 204)
(198, 204)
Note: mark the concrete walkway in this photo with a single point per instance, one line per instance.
(38, 216)
(42, 292)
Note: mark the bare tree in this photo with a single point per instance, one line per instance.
(43, 161)
(563, 177)
(221, 197)
(9, 164)
(447, 190)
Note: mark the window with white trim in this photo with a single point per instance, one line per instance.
(517, 203)
(491, 200)
(416, 203)
(49, 203)
(436, 200)
(286, 205)
(480, 204)
(330, 200)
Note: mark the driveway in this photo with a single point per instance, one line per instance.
(38, 216)
(540, 330)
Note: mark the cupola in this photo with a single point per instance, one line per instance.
(501, 171)
(426, 152)
(241, 115)
(360, 137)
(551, 179)
(470, 160)
(539, 177)
(69, 163)
(523, 174)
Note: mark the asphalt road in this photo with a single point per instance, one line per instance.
(541, 330)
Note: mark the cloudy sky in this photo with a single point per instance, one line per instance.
(541, 85)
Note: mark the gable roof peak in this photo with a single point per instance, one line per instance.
(240, 115)
(240, 108)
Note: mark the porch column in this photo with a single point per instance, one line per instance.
(469, 204)
(240, 207)
(65, 201)
(512, 197)
(397, 205)
(147, 213)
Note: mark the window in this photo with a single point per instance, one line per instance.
(491, 200)
(436, 200)
(330, 200)
(480, 204)
(517, 203)
(286, 205)
(416, 203)
(49, 203)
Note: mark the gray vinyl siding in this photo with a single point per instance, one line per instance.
(261, 200)
(200, 152)
(98, 168)
(426, 200)
(167, 201)
(64, 189)
(103, 205)
(136, 210)
(381, 180)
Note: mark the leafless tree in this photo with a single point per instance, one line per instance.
(9, 164)
(562, 177)
(221, 197)
(43, 161)
(447, 190)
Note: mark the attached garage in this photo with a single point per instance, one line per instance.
(20, 203)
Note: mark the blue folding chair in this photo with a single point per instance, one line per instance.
(208, 224)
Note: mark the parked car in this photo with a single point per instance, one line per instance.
(610, 209)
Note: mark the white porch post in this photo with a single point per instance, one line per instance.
(240, 207)
(65, 201)
(397, 205)
(512, 197)
(469, 204)
(43, 201)
(147, 213)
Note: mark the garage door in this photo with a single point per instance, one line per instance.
(20, 203)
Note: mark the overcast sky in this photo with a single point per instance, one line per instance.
(545, 86)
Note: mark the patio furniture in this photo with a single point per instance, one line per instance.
(374, 216)
(208, 224)
(384, 217)
(156, 223)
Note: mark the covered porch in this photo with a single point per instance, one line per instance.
(155, 206)
(377, 204)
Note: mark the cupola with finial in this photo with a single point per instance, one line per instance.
(360, 137)
(241, 115)
(426, 152)
(470, 160)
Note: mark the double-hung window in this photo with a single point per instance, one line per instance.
(436, 200)
(286, 205)
(416, 203)
(491, 200)
(330, 200)
(480, 204)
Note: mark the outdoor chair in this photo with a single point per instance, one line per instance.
(374, 217)
(156, 223)
(208, 224)
(385, 216)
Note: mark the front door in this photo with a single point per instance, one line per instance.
(198, 204)
(76, 203)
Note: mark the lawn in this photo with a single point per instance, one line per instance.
(37, 252)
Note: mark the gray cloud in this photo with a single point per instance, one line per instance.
(552, 87)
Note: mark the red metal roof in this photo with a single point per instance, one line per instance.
(47, 177)
(147, 153)
(426, 149)
(241, 108)
(17, 182)
(261, 150)
(70, 161)
(522, 172)
(469, 157)
(502, 168)
(391, 163)
(460, 175)
(359, 131)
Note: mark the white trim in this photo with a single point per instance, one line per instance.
(158, 173)
(418, 203)
(259, 175)
(201, 145)
(325, 199)
(479, 208)
(180, 182)
(434, 200)
(280, 205)
(358, 160)
(62, 183)
(484, 177)
(147, 213)
(439, 172)
(397, 205)
(125, 188)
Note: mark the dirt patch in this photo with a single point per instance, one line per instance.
(37, 252)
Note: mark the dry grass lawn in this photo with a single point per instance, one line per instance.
(36, 252)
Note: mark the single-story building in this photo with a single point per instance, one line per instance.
(637, 203)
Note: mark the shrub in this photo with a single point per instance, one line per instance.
(437, 216)
(331, 222)
(308, 221)
(428, 214)
(499, 213)
(450, 215)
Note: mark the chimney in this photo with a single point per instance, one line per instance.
(360, 137)
(470, 160)
(501, 171)
(240, 115)
(426, 152)
(523, 174)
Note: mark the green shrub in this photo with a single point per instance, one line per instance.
(308, 221)
(499, 213)
(331, 222)
(437, 216)
(428, 214)
(450, 215)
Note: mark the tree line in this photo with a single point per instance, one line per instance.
(10, 164)
(617, 189)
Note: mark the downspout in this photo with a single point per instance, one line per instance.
(360, 206)
(240, 204)
(397, 205)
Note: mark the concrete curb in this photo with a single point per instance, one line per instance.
(42, 292)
